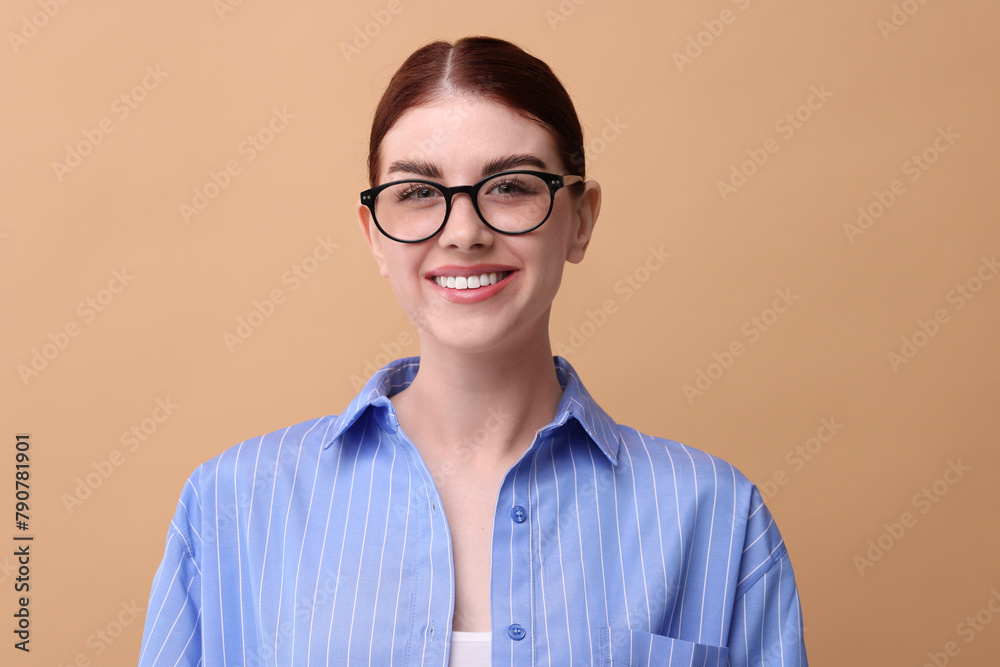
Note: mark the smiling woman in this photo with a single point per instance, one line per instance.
(547, 533)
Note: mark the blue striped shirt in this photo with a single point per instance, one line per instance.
(325, 544)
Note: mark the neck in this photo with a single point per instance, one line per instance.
(485, 406)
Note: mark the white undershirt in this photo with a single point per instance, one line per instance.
(470, 649)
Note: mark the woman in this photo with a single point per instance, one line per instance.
(474, 503)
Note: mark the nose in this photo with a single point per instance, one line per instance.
(464, 229)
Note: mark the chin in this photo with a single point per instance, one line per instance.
(472, 340)
(495, 335)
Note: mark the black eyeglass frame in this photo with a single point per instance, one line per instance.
(554, 181)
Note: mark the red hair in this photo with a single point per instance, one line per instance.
(483, 67)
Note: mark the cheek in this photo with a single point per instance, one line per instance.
(555, 248)
(549, 261)
(554, 277)
(403, 264)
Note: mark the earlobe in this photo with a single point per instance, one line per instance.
(372, 236)
(584, 218)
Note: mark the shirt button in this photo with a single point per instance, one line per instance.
(518, 514)
(516, 632)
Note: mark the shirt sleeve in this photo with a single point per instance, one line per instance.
(767, 622)
(767, 628)
(173, 633)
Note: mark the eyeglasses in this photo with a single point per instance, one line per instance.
(510, 202)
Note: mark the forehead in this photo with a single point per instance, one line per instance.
(460, 134)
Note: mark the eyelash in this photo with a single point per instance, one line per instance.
(405, 194)
(511, 182)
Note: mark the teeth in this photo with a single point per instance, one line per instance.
(470, 282)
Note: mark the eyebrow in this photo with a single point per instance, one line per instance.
(511, 162)
(418, 167)
(504, 163)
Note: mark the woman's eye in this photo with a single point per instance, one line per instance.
(507, 188)
(417, 192)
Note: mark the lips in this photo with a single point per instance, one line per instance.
(470, 284)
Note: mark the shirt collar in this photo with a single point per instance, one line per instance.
(576, 403)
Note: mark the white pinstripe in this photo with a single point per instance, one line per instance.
(364, 545)
(659, 525)
(642, 558)
(729, 561)
(690, 552)
(239, 555)
(562, 572)
(541, 565)
(579, 535)
(218, 554)
(402, 557)
(186, 644)
(302, 543)
(284, 537)
(322, 554)
(711, 532)
(381, 559)
(343, 542)
(267, 539)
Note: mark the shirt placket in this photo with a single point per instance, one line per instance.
(512, 595)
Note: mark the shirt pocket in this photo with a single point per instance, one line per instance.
(622, 647)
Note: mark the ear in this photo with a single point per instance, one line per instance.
(586, 208)
(372, 236)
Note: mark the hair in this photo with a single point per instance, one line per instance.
(483, 67)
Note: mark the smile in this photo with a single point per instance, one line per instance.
(471, 282)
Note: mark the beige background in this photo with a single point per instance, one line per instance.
(670, 134)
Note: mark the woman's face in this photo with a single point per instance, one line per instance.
(458, 141)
